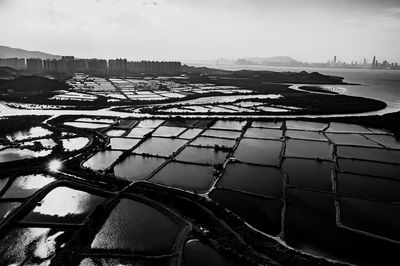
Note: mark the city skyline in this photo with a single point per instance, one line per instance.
(309, 31)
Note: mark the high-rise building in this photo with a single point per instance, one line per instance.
(34, 64)
(374, 62)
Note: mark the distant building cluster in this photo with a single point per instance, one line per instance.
(69, 64)
(374, 64)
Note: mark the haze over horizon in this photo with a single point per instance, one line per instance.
(308, 31)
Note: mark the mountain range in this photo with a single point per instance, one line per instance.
(9, 52)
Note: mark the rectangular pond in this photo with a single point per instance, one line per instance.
(306, 173)
(186, 176)
(301, 134)
(263, 133)
(373, 154)
(202, 155)
(136, 227)
(137, 167)
(369, 168)
(229, 134)
(102, 160)
(53, 208)
(123, 143)
(211, 142)
(308, 149)
(261, 213)
(259, 151)
(266, 181)
(160, 146)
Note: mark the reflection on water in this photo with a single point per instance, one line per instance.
(198, 254)
(6, 208)
(53, 206)
(14, 154)
(34, 132)
(202, 155)
(366, 186)
(259, 151)
(74, 144)
(137, 227)
(187, 176)
(261, 180)
(308, 149)
(308, 173)
(160, 146)
(30, 246)
(262, 213)
(25, 186)
(102, 160)
(136, 167)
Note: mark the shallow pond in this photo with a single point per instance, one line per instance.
(198, 254)
(136, 167)
(150, 123)
(350, 128)
(226, 124)
(202, 155)
(259, 151)
(95, 120)
(136, 227)
(115, 132)
(190, 133)
(358, 214)
(308, 135)
(368, 187)
(139, 132)
(308, 149)
(305, 125)
(74, 144)
(373, 154)
(123, 143)
(229, 134)
(351, 139)
(263, 133)
(34, 132)
(31, 246)
(102, 160)
(52, 207)
(211, 142)
(261, 213)
(164, 131)
(370, 168)
(86, 125)
(6, 208)
(387, 141)
(160, 146)
(267, 181)
(276, 125)
(308, 173)
(14, 154)
(25, 186)
(310, 226)
(187, 176)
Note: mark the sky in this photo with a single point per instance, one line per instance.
(307, 30)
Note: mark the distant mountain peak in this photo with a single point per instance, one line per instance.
(10, 52)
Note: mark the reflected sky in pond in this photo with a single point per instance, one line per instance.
(53, 206)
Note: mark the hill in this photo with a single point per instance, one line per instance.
(8, 72)
(269, 61)
(31, 85)
(9, 52)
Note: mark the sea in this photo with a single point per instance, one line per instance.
(377, 84)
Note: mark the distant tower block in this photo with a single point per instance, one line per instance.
(334, 60)
(374, 61)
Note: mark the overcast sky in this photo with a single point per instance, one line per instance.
(307, 30)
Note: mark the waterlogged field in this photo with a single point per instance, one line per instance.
(322, 188)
